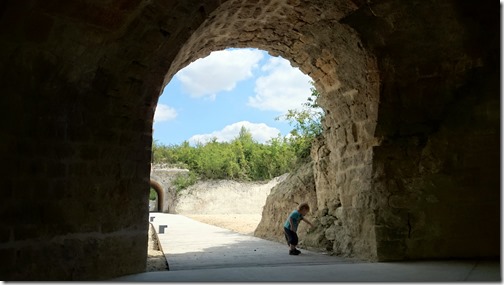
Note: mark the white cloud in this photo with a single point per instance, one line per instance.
(164, 113)
(220, 71)
(283, 88)
(260, 132)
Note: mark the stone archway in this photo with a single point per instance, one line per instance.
(344, 72)
(82, 79)
(160, 195)
(347, 77)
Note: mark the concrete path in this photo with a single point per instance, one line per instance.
(198, 252)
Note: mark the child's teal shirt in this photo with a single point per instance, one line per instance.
(296, 218)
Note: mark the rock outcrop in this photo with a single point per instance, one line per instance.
(298, 187)
(405, 142)
(224, 197)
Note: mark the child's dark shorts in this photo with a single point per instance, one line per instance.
(290, 236)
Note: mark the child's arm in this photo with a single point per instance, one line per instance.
(291, 224)
(308, 222)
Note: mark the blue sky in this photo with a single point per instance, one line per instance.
(216, 95)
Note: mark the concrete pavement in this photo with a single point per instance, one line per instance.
(198, 252)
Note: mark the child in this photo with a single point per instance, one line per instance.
(291, 224)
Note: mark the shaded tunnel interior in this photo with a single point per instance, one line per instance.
(408, 165)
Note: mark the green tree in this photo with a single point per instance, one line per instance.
(183, 181)
(152, 194)
(243, 158)
(307, 123)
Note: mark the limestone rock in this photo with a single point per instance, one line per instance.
(297, 188)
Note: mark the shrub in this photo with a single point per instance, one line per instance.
(183, 181)
(152, 194)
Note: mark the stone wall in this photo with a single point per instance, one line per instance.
(407, 168)
(296, 188)
(418, 183)
(435, 173)
(79, 87)
(164, 178)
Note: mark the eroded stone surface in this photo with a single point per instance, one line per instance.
(285, 197)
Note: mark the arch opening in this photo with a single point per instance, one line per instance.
(346, 76)
(160, 196)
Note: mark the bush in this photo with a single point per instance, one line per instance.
(152, 194)
(182, 181)
(244, 159)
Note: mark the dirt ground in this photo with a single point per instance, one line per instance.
(156, 260)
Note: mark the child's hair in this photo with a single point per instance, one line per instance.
(303, 206)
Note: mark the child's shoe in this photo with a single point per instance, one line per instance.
(294, 252)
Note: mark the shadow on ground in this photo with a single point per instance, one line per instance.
(244, 253)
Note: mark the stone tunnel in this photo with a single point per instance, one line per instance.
(410, 157)
(161, 180)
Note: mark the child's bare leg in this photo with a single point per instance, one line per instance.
(292, 247)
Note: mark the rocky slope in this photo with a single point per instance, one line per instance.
(298, 187)
(223, 197)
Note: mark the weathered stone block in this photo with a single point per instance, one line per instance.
(391, 250)
(327, 220)
(347, 201)
(332, 232)
(5, 234)
(384, 233)
(38, 27)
